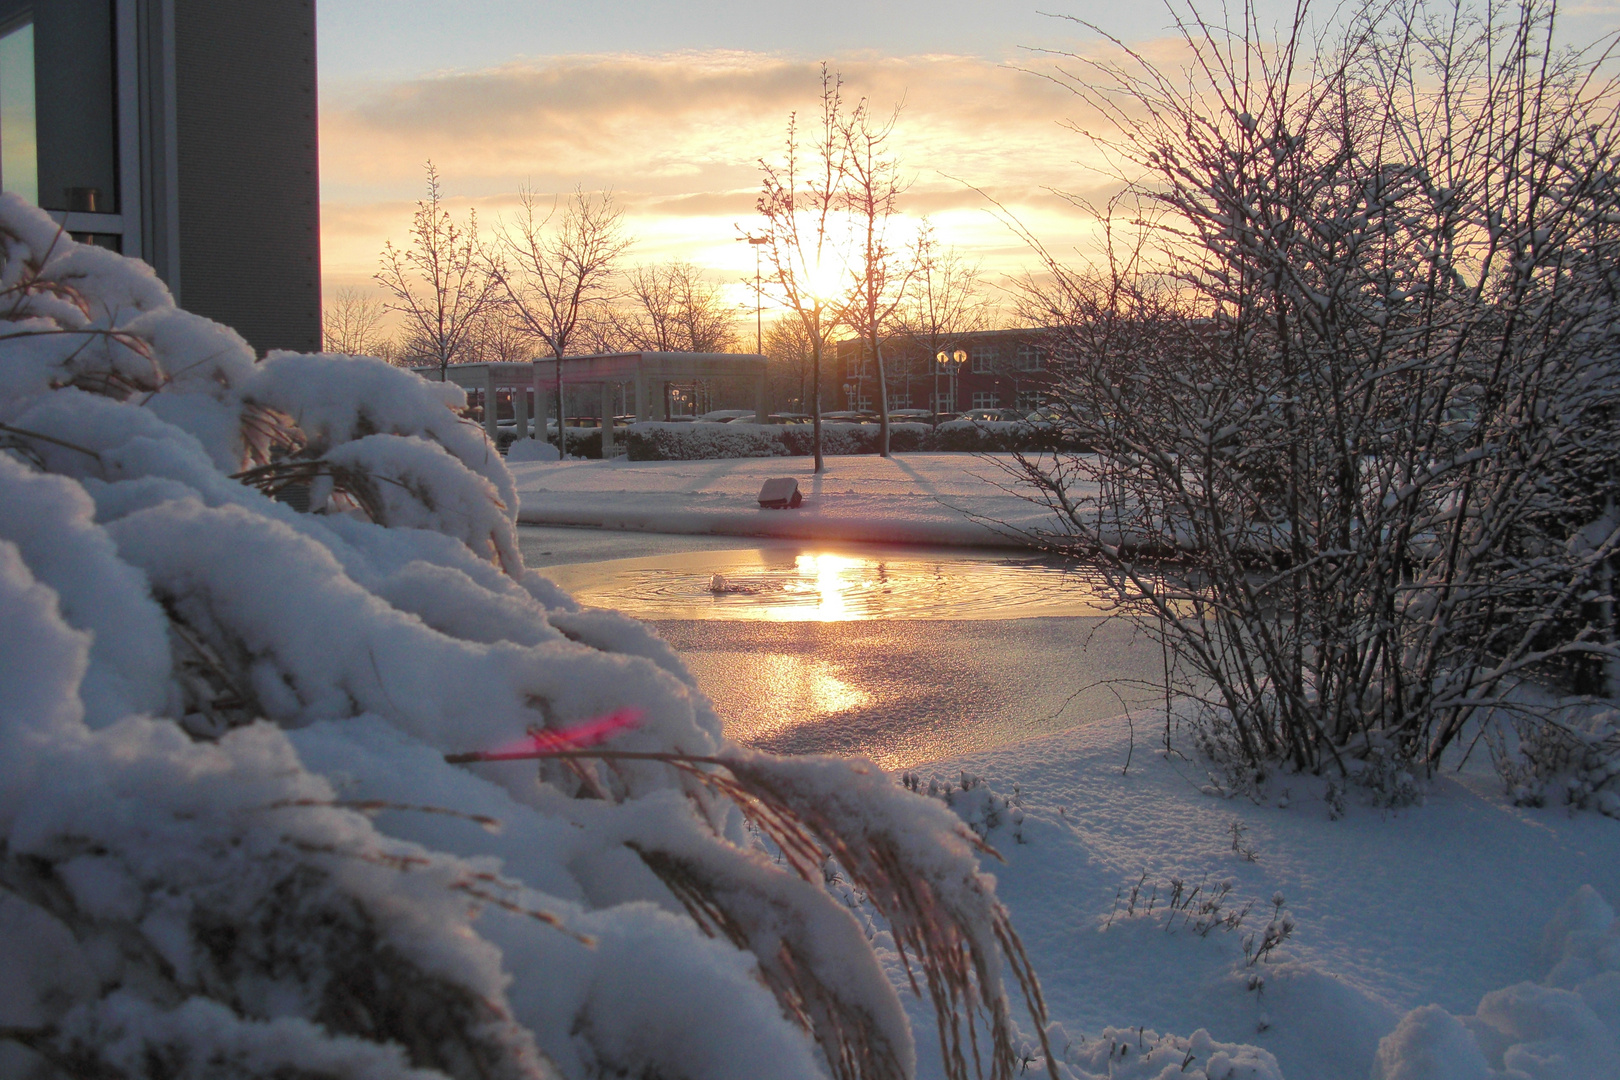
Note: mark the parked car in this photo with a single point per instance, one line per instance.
(774, 418)
(989, 416)
(724, 416)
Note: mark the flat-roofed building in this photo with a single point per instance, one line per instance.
(182, 132)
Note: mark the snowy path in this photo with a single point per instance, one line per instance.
(909, 498)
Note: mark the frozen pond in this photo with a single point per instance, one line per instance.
(906, 655)
(807, 583)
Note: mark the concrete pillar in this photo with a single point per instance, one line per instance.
(489, 401)
(520, 409)
(609, 396)
(643, 406)
(539, 403)
(762, 407)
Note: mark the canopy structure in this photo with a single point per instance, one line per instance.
(644, 376)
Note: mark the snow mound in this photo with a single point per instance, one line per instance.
(1566, 1027)
(1141, 1054)
(525, 450)
(230, 839)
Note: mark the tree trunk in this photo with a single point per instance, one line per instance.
(815, 398)
(883, 396)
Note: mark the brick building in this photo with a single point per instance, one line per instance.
(1007, 369)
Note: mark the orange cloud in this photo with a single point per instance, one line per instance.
(679, 138)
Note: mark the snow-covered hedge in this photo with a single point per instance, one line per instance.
(231, 844)
(690, 442)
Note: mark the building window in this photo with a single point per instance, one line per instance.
(984, 359)
(65, 50)
(19, 150)
(1028, 400)
(899, 400)
(986, 400)
(1028, 357)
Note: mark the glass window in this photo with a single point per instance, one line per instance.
(78, 108)
(984, 359)
(58, 95)
(1028, 357)
(19, 150)
(984, 400)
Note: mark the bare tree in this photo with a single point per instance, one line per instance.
(800, 198)
(944, 302)
(1352, 389)
(442, 281)
(500, 337)
(352, 323)
(879, 269)
(671, 307)
(789, 360)
(558, 267)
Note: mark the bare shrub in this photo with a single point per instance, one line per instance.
(1349, 369)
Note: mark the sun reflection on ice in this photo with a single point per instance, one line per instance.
(816, 585)
(824, 575)
(780, 690)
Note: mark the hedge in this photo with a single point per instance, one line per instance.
(691, 442)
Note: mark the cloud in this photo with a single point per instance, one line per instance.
(661, 121)
(679, 137)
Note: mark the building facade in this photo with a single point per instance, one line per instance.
(181, 132)
(997, 369)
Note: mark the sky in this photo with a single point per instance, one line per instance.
(672, 105)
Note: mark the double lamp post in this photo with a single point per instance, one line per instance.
(951, 363)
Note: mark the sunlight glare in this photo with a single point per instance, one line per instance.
(824, 574)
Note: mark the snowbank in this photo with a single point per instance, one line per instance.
(1461, 937)
(230, 841)
(955, 499)
(1563, 1027)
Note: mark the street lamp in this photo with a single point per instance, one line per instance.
(943, 358)
(759, 320)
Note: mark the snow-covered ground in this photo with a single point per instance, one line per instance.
(910, 498)
(1434, 905)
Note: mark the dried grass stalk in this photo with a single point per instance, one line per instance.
(941, 910)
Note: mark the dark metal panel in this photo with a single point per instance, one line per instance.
(249, 189)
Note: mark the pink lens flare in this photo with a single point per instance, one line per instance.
(543, 743)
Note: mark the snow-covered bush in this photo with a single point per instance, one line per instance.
(231, 843)
(1350, 376)
(1572, 758)
(692, 442)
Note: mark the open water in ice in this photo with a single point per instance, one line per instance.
(903, 654)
